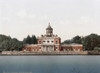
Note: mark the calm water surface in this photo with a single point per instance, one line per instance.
(50, 64)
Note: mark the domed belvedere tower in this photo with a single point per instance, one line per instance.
(49, 31)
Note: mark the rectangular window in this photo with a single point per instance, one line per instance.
(56, 42)
(56, 47)
(48, 41)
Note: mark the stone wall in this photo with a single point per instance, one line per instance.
(43, 53)
(93, 52)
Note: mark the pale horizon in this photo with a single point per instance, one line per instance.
(68, 18)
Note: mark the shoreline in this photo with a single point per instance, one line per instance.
(22, 53)
(53, 55)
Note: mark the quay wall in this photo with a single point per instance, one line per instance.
(50, 53)
(43, 53)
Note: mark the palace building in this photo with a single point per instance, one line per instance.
(51, 43)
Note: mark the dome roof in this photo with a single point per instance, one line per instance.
(49, 27)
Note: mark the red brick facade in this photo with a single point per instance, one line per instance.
(72, 47)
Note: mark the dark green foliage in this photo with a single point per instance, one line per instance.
(30, 40)
(67, 42)
(9, 44)
(33, 40)
(77, 39)
(89, 42)
(27, 40)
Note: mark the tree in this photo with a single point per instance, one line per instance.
(91, 41)
(27, 40)
(67, 42)
(4, 42)
(33, 40)
(9, 44)
(4, 37)
(77, 39)
(30, 40)
(5, 45)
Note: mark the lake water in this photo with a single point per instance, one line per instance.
(49, 64)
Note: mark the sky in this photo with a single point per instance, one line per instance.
(68, 18)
